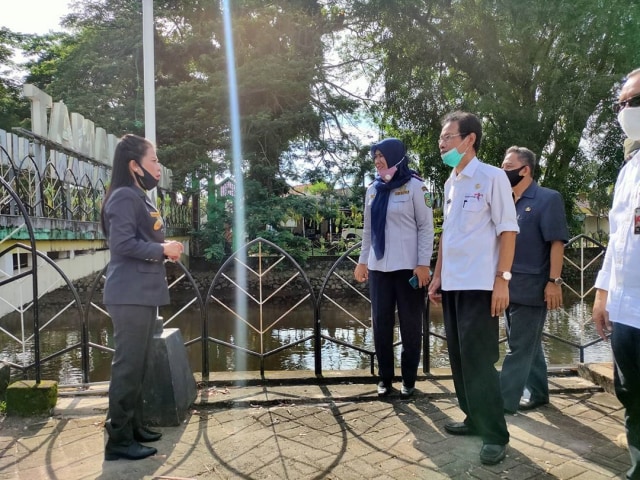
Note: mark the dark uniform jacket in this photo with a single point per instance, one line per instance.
(542, 220)
(135, 231)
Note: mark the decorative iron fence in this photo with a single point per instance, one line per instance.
(55, 183)
(234, 315)
(582, 260)
(256, 291)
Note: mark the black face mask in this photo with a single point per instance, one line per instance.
(512, 175)
(146, 181)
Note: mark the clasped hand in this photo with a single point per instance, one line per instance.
(173, 250)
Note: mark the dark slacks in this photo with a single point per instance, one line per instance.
(472, 341)
(524, 365)
(133, 329)
(625, 343)
(389, 290)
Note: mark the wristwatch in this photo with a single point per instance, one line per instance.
(557, 281)
(504, 275)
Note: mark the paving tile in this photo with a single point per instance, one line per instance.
(338, 431)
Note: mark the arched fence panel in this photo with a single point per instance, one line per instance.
(56, 328)
(572, 325)
(344, 317)
(21, 286)
(344, 308)
(185, 312)
(260, 303)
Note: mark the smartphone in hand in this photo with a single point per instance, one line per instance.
(414, 282)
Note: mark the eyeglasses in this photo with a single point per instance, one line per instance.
(630, 102)
(446, 138)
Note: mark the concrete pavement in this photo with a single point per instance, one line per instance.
(291, 429)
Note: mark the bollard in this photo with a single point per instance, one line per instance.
(169, 387)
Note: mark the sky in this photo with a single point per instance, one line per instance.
(33, 16)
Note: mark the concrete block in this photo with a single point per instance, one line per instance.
(169, 388)
(26, 397)
(599, 373)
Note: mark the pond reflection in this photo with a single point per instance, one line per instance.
(572, 324)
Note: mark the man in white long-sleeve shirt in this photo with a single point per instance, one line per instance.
(616, 309)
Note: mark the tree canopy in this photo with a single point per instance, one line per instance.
(540, 74)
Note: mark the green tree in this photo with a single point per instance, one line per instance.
(536, 72)
(284, 96)
(13, 111)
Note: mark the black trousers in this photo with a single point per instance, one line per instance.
(133, 328)
(625, 343)
(389, 290)
(472, 341)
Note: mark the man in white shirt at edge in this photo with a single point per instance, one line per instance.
(472, 273)
(616, 309)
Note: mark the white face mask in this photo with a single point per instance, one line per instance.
(629, 120)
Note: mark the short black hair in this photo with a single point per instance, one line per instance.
(525, 155)
(467, 123)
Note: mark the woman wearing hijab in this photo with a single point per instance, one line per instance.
(397, 244)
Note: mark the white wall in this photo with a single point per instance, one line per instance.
(20, 292)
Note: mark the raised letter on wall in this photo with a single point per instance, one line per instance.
(40, 102)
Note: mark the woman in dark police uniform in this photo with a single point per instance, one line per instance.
(135, 286)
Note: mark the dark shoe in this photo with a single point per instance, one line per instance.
(406, 392)
(143, 434)
(491, 454)
(135, 451)
(459, 428)
(383, 389)
(530, 404)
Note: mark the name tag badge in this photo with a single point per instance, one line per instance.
(636, 222)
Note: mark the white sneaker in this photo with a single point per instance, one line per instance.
(383, 390)
(407, 391)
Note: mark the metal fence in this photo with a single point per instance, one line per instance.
(247, 307)
(251, 296)
(53, 183)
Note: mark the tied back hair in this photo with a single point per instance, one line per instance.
(130, 147)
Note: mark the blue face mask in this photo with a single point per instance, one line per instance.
(453, 157)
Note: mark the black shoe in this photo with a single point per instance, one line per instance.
(459, 428)
(143, 434)
(530, 404)
(135, 451)
(406, 392)
(383, 389)
(491, 454)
